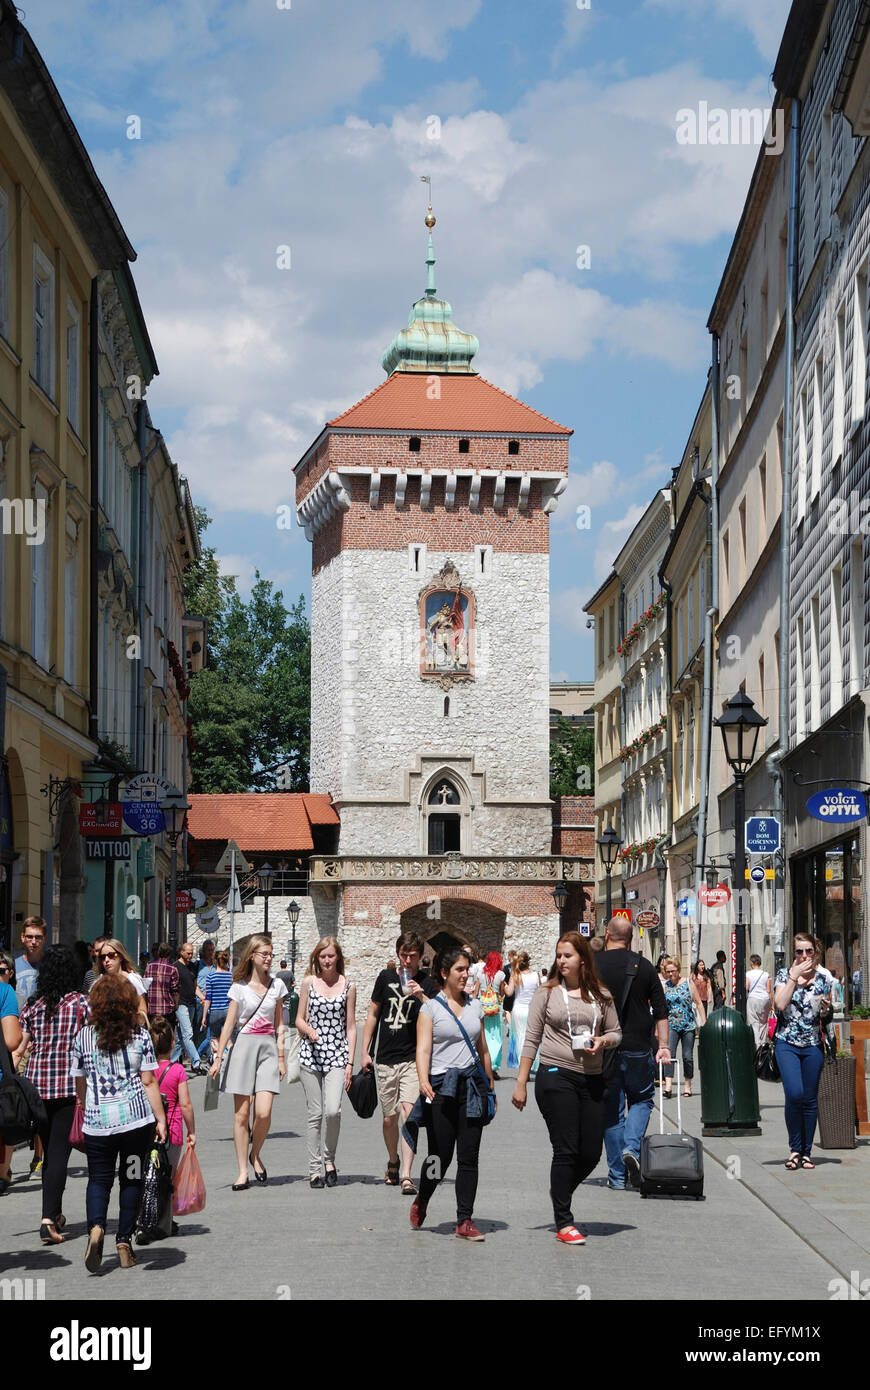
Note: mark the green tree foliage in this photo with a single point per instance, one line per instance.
(572, 749)
(250, 705)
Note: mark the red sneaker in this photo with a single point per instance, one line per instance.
(467, 1230)
(571, 1236)
(418, 1213)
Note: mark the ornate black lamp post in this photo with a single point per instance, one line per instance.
(560, 897)
(266, 877)
(741, 724)
(293, 914)
(608, 847)
(174, 808)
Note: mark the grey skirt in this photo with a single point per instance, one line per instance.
(253, 1065)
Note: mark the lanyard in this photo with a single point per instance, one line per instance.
(568, 1012)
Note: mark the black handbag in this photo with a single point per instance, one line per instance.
(766, 1068)
(363, 1089)
(154, 1221)
(21, 1107)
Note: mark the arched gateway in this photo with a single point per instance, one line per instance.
(428, 506)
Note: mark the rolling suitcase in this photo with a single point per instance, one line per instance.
(671, 1165)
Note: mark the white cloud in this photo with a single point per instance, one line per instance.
(592, 487)
(765, 19)
(566, 608)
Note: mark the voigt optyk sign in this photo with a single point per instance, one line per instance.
(837, 804)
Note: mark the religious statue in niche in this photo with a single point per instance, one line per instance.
(446, 623)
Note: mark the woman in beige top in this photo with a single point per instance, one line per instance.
(572, 1019)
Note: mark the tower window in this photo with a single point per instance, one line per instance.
(416, 558)
(446, 706)
(483, 559)
(414, 444)
(513, 446)
(463, 446)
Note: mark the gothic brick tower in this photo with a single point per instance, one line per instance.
(427, 505)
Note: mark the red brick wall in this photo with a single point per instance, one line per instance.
(522, 900)
(570, 812)
(436, 451)
(385, 528)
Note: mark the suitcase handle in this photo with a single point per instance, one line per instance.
(678, 1077)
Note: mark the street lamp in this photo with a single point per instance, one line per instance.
(293, 914)
(741, 724)
(174, 808)
(560, 897)
(608, 847)
(266, 877)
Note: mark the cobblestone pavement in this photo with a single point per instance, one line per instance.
(283, 1241)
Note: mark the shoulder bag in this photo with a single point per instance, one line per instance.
(363, 1089)
(486, 1090)
(21, 1107)
(610, 1054)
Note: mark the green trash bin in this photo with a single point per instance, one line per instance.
(729, 1085)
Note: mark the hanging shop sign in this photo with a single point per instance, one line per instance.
(838, 804)
(111, 825)
(649, 915)
(145, 817)
(183, 901)
(715, 897)
(148, 787)
(107, 849)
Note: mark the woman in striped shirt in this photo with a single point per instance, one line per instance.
(49, 1025)
(217, 998)
(113, 1064)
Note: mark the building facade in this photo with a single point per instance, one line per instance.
(427, 505)
(642, 650)
(823, 65)
(604, 610)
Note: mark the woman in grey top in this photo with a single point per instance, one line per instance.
(572, 1019)
(450, 1092)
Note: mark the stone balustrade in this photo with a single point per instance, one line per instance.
(449, 868)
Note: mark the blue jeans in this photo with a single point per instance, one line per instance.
(687, 1040)
(103, 1152)
(800, 1069)
(631, 1085)
(184, 1036)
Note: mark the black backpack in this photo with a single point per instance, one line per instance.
(21, 1107)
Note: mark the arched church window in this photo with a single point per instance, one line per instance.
(444, 794)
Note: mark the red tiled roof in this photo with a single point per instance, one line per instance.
(262, 822)
(466, 403)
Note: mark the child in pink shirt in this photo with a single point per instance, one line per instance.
(172, 1081)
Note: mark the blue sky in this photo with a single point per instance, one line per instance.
(309, 126)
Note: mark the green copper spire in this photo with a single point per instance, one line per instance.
(431, 342)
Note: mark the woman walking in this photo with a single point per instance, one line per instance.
(802, 996)
(49, 1025)
(113, 1065)
(759, 999)
(172, 1083)
(572, 1020)
(326, 1021)
(703, 988)
(491, 989)
(451, 1049)
(113, 960)
(521, 987)
(256, 1066)
(217, 998)
(680, 995)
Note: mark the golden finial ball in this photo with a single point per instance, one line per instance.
(429, 219)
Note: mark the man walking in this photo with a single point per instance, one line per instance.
(717, 976)
(187, 992)
(163, 985)
(27, 965)
(396, 1000)
(640, 1004)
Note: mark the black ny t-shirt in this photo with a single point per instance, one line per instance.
(397, 1016)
